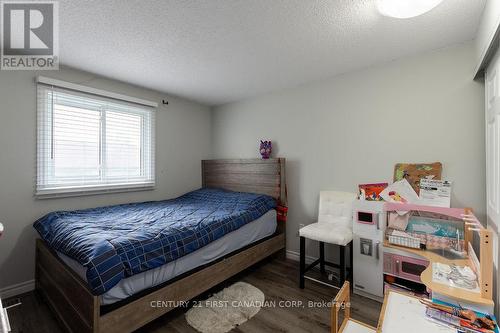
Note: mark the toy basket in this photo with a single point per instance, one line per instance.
(406, 241)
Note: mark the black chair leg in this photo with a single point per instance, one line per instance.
(351, 266)
(302, 261)
(342, 265)
(322, 257)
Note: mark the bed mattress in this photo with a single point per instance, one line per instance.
(116, 242)
(256, 230)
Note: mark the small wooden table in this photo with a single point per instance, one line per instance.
(404, 313)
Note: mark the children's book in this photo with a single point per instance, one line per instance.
(371, 192)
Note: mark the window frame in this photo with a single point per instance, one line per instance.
(46, 187)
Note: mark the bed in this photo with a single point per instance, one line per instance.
(104, 288)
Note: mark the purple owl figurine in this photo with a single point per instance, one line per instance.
(265, 149)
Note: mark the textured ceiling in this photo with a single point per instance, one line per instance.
(218, 51)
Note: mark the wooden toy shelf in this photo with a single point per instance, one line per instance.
(426, 276)
(482, 266)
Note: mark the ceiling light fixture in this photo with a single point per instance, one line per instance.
(406, 8)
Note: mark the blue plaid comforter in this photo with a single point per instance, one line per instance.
(119, 241)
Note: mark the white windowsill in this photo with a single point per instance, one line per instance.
(91, 190)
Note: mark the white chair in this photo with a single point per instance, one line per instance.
(334, 226)
(343, 302)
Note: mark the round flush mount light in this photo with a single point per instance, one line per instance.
(406, 8)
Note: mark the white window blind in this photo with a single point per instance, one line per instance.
(89, 143)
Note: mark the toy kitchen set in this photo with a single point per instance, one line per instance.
(416, 243)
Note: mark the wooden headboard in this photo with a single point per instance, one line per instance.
(247, 175)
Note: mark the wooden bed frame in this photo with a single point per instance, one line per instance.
(80, 311)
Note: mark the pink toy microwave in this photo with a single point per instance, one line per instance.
(404, 267)
(366, 217)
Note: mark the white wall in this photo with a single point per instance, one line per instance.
(183, 138)
(353, 128)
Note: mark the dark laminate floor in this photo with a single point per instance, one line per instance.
(276, 278)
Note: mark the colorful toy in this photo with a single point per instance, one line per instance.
(396, 197)
(266, 148)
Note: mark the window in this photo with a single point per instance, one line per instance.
(89, 143)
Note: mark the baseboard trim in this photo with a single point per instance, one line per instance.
(295, 256)
(17, 289)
